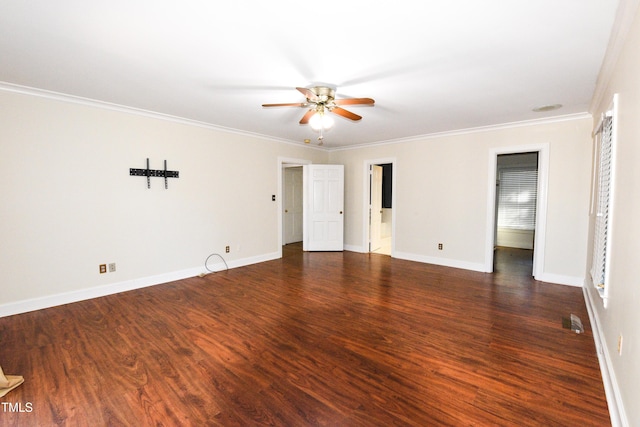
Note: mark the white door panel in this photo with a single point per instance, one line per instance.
(324, 202)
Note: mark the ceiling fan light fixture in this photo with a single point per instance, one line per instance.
(320, 100)
(321, 121)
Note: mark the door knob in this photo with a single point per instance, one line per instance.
(286, 210)
(340, 212)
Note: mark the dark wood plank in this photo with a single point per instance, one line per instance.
(313, 339)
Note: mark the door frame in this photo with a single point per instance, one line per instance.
(366, 185)
(540, 233)
(282, 163)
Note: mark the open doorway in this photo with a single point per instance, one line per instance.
(515, 215)
(539, 152)
(379, 207)
(290, 190)
(292, 196)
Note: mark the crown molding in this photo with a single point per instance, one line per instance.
(625, 15)
(78, 100)
(57, 96)
(489, 128)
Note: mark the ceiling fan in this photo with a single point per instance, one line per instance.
(320, 100)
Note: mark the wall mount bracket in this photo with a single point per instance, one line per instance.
(149, 173)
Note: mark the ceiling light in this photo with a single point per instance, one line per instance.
(320, 121)
(545, 108)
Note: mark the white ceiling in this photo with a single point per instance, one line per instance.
(430, 66)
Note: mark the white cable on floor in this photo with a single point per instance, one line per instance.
(219, 256)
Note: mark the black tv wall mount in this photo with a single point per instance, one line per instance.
(149, 173)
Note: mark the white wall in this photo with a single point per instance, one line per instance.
(442, 194)
(514, 238)
(69, 204)
(622, 314)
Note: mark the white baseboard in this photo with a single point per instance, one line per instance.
(560, 279)
(611, 389)
(354, 248)
(446, 262)
(40, 303)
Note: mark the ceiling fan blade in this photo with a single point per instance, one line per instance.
(308, 93)
(354, 101)
(305, 119)
(295, 104)
(345, 113)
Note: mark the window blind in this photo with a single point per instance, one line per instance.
(603, 198)
(517, 199)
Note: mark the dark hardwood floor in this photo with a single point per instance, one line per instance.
(335, 339)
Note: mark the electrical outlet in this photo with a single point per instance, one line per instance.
(112, 267)
(620, 344)
(439, 246)
(103, 268)
(227, 249)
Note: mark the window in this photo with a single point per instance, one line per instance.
(602, 199)
(517, 199)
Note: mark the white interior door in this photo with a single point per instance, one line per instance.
(375, 209)
(292, 201)
(323, 228)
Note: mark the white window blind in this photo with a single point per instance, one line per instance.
(603, 203)
(517, 199)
